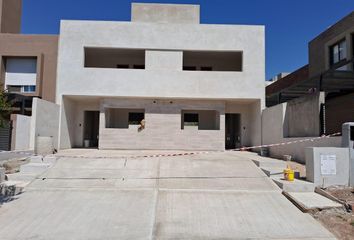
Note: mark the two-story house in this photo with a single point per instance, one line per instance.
(161, 81)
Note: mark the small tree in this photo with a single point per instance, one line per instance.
(5, 107)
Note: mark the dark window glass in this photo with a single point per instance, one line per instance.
(135, 118)
(351, 133)
(191, 119)
(189, 68)
(206, 68)
(13, 88)
(122, 66)
(139, 66)
(338, 52)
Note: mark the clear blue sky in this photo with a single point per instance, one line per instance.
(290, 24)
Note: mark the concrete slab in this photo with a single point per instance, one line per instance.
(227, 184)
(311, 200)
(34, 168)
(93, 184)
(214, 196)
(294, 186)
(78, 214)
(203, 167)
(227, 215)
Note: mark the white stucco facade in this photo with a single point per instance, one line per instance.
(164, 88)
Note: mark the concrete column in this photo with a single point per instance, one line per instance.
(348, 142)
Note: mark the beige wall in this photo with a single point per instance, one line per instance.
(44, 48)
(10, 16)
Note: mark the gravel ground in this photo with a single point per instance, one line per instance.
(339, 221)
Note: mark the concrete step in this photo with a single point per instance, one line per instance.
(307, 201)
(294, 186)
(34, 168)
(12, 188)
(36, 159)
(21, 177)
(270, 171)
(269, 162)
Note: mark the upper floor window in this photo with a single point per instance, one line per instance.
(212, 61)
(338, 52)
(20, 74)
(114, 58)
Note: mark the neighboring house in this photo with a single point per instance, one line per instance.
(161, 81)
(27, 65)
(330, 70)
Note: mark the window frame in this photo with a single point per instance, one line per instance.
(331, 52)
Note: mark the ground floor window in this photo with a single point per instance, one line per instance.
(123, 117)
(200, 119)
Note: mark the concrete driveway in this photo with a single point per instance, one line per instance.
(215, 196)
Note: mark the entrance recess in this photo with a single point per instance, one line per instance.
(232, 131)
(91, 128)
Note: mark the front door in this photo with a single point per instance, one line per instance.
(91, 128)
(232, 131)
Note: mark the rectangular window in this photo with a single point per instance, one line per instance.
(338, 52)
(20, 71)
(13, 89)
(135, 118)
(123, 117)
(114, 58)
(29, 89)
(191, 119)
(200, 119)
(213, 60)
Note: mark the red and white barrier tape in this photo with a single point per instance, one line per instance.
(208, 152)
(288, 143)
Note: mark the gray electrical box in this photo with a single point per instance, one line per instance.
(348, 142)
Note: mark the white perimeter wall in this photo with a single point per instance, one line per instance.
(273, 128)
(21, 132)
(44, 121)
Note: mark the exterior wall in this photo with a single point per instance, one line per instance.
(20, 139)
(163, 124)
(163, 127)
(303, 116)
(339, 110)
(165, 13)
(10, 16)
(44, 121)
(275, 127)
(44, 48)
(163, 78)
(319, 47)
(166, 82)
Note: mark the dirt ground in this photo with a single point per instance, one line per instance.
(339, 221)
